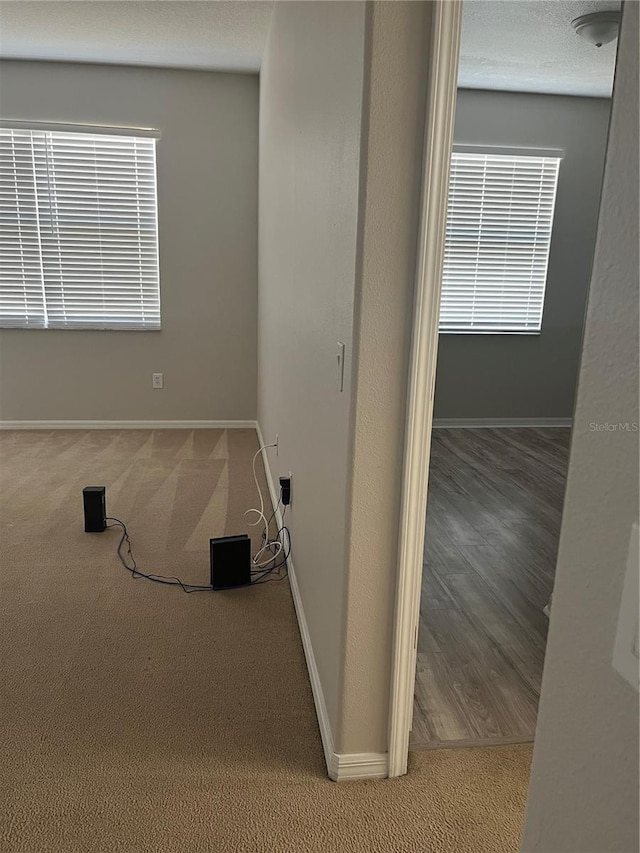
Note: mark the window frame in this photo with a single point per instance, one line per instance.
(114, 131)
(509, 152)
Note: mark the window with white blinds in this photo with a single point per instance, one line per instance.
(498, 233)
(78, 230)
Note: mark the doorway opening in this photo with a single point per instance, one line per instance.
(526, 138)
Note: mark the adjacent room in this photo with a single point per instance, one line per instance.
(530, 139)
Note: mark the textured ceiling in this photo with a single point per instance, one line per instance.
(221, 36)
(530, 46)
(517, 45)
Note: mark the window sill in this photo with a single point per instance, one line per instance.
(84, 328)
(487, 332)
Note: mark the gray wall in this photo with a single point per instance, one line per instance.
(207, 196)
(310, 122)
(532, 376)
(584, 783)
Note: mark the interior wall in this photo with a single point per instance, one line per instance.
(532, 376)
(343, 89)
(393, 134)
(207, 162)
(584, 783)
(310, 124)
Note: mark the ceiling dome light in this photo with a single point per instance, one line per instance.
(598, 28)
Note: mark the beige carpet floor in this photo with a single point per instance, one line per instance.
(137, 718)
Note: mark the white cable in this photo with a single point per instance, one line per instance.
(274, 543)
(268, 543)
(272, 554)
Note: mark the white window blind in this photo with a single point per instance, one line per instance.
(498, 233)
(78, 230)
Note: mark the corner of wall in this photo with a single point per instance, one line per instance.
(394, 105)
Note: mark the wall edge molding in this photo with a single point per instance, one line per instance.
(444, 49)
(127, 424)
(499, 423)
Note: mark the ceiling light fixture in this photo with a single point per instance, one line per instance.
(598, 28)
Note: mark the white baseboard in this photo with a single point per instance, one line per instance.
(314, 677)
(340, 767)
(127, 424)
(359, 765)
(498, 423)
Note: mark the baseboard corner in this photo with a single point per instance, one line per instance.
(351, 766)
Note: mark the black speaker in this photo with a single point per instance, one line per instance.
(95, 509)
(230, 561)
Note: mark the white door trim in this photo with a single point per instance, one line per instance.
(441, 103)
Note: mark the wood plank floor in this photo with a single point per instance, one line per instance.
(493, 524)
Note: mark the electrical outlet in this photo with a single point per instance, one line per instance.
(285, 490)
(157, 380)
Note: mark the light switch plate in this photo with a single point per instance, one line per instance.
(625, 649)
(340, 357)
